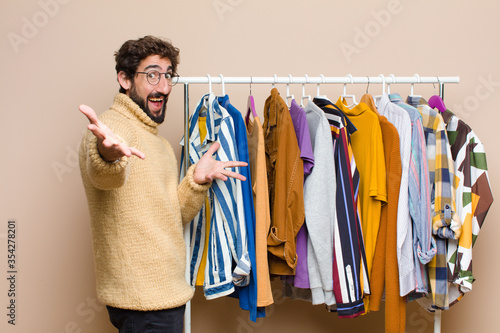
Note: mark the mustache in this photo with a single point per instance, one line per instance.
(158, 95)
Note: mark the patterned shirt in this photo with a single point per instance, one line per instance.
(227, 242)
(446, 222)
(350, 275)
(473, 200)
(424, 245)
(248, 294)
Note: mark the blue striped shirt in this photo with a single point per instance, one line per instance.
(227, 240)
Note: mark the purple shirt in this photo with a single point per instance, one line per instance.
(303, 136)
(306, 153)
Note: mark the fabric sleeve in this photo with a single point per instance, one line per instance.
(191, 195)
(378, 186)
(105, 175)
(319, 198)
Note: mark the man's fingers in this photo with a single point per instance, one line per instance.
(233, 164)
(235, 175)
(89, 113)
(137, 152)
(213, 148)
(97, 131)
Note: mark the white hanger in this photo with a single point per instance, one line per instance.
(209, 83)
(345, 95)
(288, 91)
(377, 98)
(389, 84)
(223, 85)
(304, 96)
(203, 112)
(275, 80)
(317, 87)
(411, 88)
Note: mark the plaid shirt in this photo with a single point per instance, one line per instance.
(446, 222)
(424, 245)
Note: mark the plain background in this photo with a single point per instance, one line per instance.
(56, 55)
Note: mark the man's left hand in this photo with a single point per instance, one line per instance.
(208, 169)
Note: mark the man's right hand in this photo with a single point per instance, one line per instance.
(108, 145)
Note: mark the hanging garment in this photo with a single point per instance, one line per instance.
(321, 217)
(385, 262)
(350, 276)
(257, 157)
(298, 115)
(286, 185)
(227, 242)
(247, 294)
(368, 150)
(473, 200)
(401, 120)
(424, 245)
(446, 222)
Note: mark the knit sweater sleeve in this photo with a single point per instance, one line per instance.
(191, 195)
(105, 175)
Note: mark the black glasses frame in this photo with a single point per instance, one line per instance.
(172, 80)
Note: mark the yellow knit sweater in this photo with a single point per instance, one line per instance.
(137, 211)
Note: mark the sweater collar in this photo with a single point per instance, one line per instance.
(127, 107)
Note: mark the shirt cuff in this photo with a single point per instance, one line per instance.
(194, 185)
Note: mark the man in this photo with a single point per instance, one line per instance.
(136, 205)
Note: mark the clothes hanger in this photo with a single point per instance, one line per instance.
(203, 112)
(318, 95)
(223, 85)
(411, 88)
(436, 102)
(345, 95)
(275, 80)
(393, 77)
(288, 91)
(250, 105)
(378, 97)
(304, 96)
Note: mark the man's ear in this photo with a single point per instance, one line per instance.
(124, 81)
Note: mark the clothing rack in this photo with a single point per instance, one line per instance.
(318, 80)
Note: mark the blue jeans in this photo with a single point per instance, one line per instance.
(161, 321)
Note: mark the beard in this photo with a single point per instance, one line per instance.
(144, 106)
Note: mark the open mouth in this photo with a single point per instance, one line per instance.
(156, 103)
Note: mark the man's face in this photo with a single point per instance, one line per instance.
(151, 98)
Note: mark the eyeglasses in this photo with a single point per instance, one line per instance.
(154, 77)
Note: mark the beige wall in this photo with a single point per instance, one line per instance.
(57, 54)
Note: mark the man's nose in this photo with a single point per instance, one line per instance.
(164, 86)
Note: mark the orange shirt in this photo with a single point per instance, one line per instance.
(257, 159)
(286, 185)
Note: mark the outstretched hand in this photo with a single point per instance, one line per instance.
(208, 169)
(108, 145)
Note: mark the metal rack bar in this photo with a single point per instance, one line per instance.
(349, 79)
(321, 79)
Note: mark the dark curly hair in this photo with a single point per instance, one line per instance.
(132, 52)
